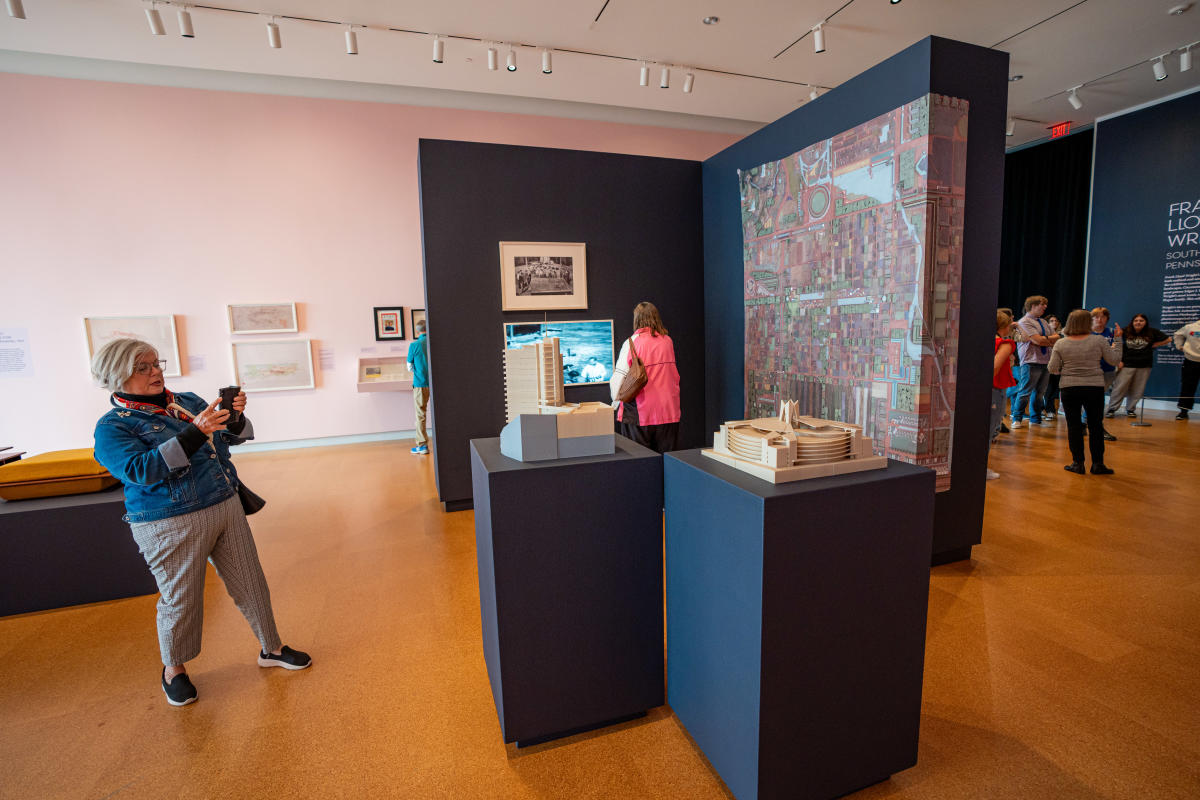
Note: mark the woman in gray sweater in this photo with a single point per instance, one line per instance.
(1076, 358)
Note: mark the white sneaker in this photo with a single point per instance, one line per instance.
(992, 474)
(1016, 423)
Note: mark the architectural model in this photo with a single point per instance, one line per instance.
(541, 424)
(791, 447)
(533, 379)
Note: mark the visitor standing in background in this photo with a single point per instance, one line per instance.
(1077, 359)
(418, 365)
(1137, 359)
(1002, 377)
(1050, 399)
(652, 418)
(1100, 318)
(1034, 352)
(1187, 339)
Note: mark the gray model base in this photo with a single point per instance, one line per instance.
(534, 437)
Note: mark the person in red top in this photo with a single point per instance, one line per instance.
(652, 419)
(1002, 377)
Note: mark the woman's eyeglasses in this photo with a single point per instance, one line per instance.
(146, 367)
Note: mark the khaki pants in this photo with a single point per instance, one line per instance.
(420, 401)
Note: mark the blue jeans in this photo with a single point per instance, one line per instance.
(1032, 381)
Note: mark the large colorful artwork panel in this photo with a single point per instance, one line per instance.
(853, 266)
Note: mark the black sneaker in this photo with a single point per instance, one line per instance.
(1076, 467)
(1100, 469)
(1108, 414)
(287, 658)
(180, 690)
(1108, 437)
(1182, 414)
(1131, 414)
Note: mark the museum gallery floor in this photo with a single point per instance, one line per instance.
(1061, 662)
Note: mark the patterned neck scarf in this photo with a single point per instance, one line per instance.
(172, 408)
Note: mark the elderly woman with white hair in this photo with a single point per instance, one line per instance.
(171, 451)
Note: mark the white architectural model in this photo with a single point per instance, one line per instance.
(791, 447)
(533, 378)
(541, 425)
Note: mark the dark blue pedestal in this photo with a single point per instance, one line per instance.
(62, 551)
(796, 623)
(570, 587)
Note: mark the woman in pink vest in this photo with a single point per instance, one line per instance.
(652, 419)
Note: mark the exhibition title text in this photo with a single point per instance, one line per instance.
(1183, 224)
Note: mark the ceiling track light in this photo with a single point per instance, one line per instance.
(154, 20)
(184, 17)
(273, 38)
(1160, 69)
(1010, 126)
(351, 41)
(1185, 59)
(664, 80)
(15, 9)
(644, 74)
(492, 59)
(1073, 98)
(547, 65)
(895, 2)
(510, 63)
(688, 80)
(439, 49)
(814, 94)
(818, 33)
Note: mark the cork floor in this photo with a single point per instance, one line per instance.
(1063, 661)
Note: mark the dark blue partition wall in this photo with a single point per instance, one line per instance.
(976, 74)
(1144, 249)
(640, 218)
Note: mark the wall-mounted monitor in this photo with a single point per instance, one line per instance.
(586, 347)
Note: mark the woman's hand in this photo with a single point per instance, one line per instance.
(1117, 331)
(212, 418)
(239, 402)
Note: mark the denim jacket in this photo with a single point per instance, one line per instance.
(140, 450)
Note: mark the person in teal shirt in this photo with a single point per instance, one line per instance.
(418, 365)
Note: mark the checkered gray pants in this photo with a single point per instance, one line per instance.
(176, 549)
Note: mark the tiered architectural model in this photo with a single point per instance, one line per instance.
(541, 424)
(791, 447)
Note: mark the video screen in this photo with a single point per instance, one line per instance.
(586, 347)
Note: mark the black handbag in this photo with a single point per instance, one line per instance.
(251, 503)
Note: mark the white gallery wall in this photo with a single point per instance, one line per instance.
(123, 199)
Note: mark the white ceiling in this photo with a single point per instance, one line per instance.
(1055, 44)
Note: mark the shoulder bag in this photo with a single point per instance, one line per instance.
(635, 379)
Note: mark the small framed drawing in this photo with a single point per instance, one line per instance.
(537, 276)
(389, 323)
(157, 330)
(418, 315)
(263, 318)
(273, 365)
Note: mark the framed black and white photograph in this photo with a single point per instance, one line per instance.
(389, 323)
(543, 276)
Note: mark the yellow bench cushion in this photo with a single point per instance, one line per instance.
(58, 472)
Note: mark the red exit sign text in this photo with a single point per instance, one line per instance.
(1061, 129)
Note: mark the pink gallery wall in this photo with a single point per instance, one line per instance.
(120, 199)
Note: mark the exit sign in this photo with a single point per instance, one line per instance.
(1061, 129)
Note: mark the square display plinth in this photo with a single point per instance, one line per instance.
(570, 587)
(796, 623)
(63, 551)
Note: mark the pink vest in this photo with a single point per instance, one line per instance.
(658, 402)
